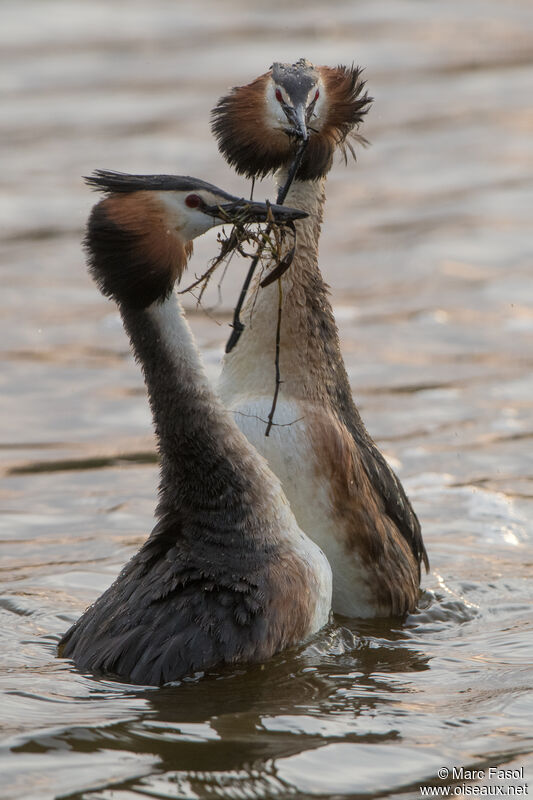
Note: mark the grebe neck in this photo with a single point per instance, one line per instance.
(307, 196)
(206, 464)
(310, 358)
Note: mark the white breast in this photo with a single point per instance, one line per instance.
(291, 457)
(318, 567)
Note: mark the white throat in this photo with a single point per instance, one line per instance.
(175, 331)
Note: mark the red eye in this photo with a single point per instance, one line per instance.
(193, 200)
(317, 94)
(279, 96)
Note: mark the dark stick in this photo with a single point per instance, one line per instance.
(282, 194)
(278, 372)
(237, 325)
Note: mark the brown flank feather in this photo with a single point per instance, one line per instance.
(367, 529)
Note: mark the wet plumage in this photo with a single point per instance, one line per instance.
(226, 575)
(340, 487)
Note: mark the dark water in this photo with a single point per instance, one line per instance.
(428, 247)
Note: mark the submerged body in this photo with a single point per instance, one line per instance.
(341, 490)
(226, 576)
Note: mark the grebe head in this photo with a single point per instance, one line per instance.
(258, 126)
(148, 222)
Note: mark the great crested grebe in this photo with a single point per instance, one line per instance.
(226, 575)
(341, 490)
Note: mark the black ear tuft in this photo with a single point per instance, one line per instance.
(105, 180)
(237, 123)
(120, 264)
(348, 101)
(348, 104)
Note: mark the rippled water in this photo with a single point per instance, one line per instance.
(427, 246)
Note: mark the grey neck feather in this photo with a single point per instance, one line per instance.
(206, 465)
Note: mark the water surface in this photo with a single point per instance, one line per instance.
(427, 247)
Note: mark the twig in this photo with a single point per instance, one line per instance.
(219, 284)
(237, 325)
(274, 424)
(276, 362)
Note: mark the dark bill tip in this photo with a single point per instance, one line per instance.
(297, 116)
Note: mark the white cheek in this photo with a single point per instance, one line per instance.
(274, 116)
(197, 224)
(318, 116)
(189, 222)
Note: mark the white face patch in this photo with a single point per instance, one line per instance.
(189, 222)
(274, 114)
(318, 117)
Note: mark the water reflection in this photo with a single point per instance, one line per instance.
(427, 246)
(236, 725)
